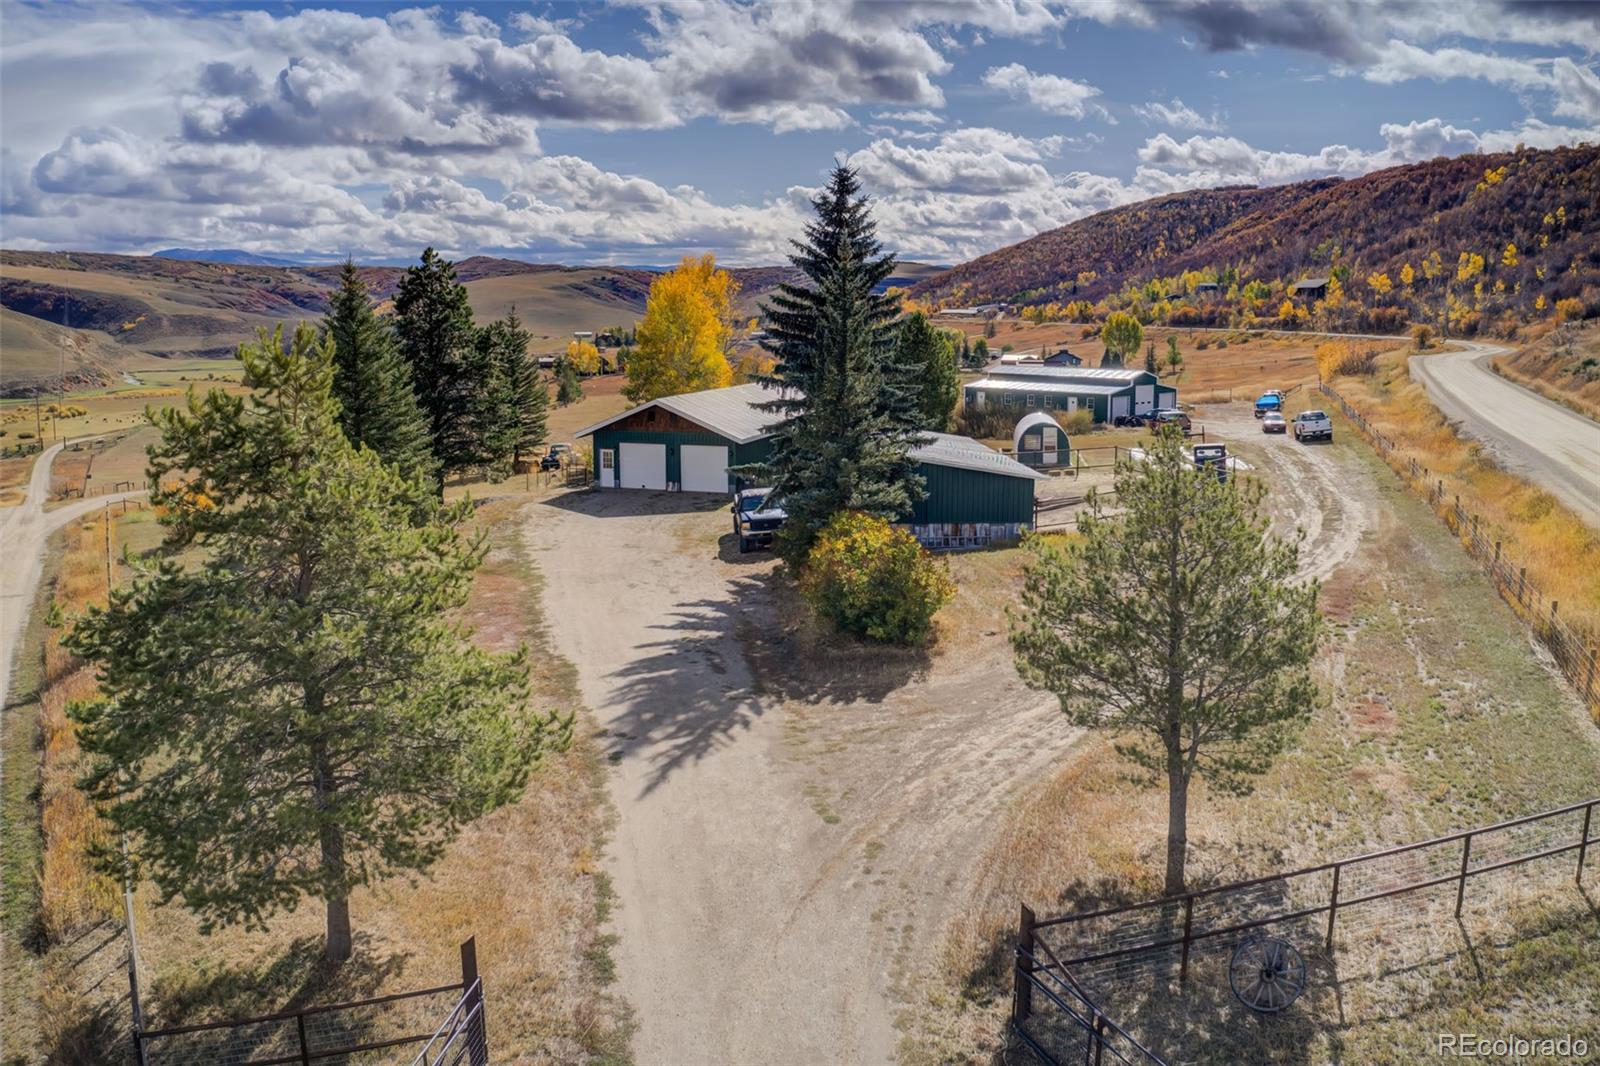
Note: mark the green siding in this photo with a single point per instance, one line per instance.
(957, 495)
(674, 440)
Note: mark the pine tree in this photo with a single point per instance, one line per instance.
(377, 406)
(299, 712)
(845, 420)
(433, 322)
(530, 400)
(568, 388)
(490, 426)
(1189, 574)
(927, 356)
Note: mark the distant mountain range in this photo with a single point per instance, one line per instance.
(227, 255)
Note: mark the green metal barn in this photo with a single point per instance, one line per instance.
(689, 443)
(1109, 393)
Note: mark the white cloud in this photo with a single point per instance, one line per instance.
(920, 118)
(1575, 88)
(1047, 92)
(1178, 115)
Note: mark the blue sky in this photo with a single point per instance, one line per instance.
(642, 131)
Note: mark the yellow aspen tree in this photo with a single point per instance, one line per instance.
(1407, 275)
(583, 356)
(681, 344)
(1509, 256)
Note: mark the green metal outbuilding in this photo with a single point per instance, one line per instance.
(974, 495)
(1108, 393)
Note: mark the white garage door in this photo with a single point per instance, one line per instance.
(644, 466)
(1119, 407)
(705, 467)
(1144, 399)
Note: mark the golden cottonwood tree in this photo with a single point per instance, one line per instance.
(682, 342)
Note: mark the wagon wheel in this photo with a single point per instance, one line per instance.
(1266, 974)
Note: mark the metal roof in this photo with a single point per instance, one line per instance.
(964, 453)
(1310, 283)
(729, 412)
(1038, 418)
(1092, 374)
(1071, 388)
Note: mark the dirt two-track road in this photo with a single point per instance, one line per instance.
(23, 532)
(792, 844)
(1550, 445)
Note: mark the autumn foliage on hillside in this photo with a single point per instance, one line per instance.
(1476, 244)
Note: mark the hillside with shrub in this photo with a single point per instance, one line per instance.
(1563, 364)
(1475, 244)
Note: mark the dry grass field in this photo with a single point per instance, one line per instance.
(1561, 552)
(1214, 361)
(552, 304)
(525, 880)
(1436, 714)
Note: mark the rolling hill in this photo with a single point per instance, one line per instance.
(94, 315)
(1532, 216)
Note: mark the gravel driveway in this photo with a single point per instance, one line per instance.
(789, 845)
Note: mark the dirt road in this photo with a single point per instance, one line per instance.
(23, 531)
(1308, 485)
(790, 837)
(1551, 445)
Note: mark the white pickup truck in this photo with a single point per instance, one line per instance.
(1313, 425)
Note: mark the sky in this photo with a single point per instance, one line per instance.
(637, 132)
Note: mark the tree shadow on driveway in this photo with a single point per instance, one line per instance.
(689, 692)
(723, 662)
(625, 503)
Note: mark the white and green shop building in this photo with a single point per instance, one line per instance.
(1108, 393)
(694, 441)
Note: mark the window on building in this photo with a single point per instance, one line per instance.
(1033, 401)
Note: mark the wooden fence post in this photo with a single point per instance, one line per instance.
(305, 1050)
(1522, 584)
(1461, 885)
(1025, 947)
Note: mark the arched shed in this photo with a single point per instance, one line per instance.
(1039, 441)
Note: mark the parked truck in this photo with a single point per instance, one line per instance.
(1313, 425)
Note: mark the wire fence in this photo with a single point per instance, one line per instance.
(1575, 652)
(1160, 942)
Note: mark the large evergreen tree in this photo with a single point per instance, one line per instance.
(372, 382)
(299, 712)
(845, 420)
(494, 426)
(433, 322)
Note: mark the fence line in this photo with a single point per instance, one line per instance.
(1138, 930)
(332, 1031)
(1575, 652)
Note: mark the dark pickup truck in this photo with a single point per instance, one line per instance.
(754, 521)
